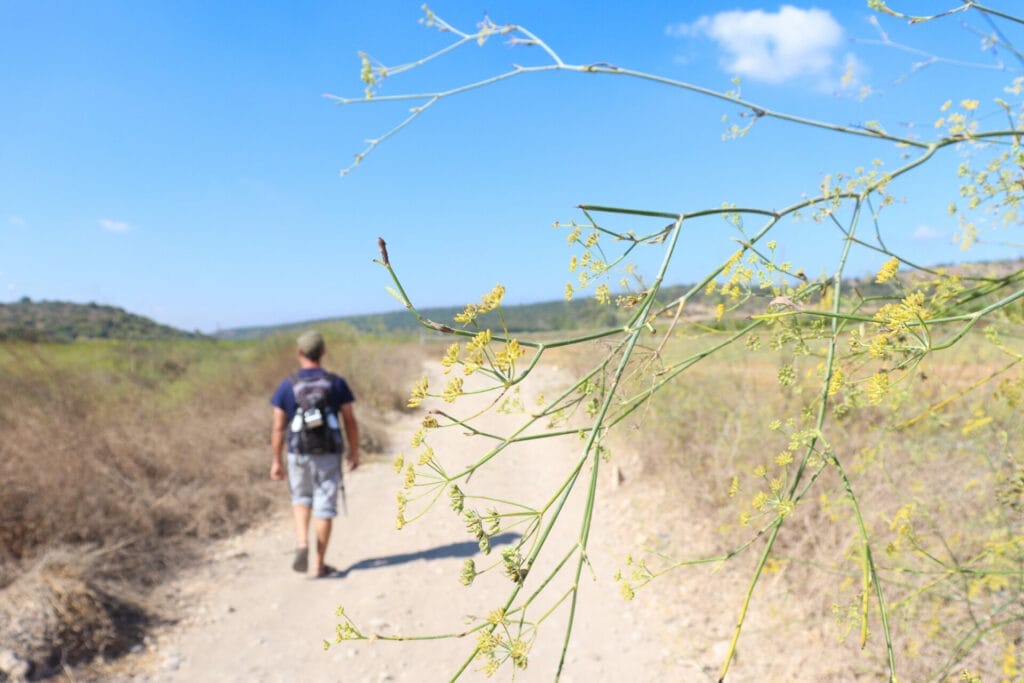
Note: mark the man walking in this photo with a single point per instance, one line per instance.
(306, 408)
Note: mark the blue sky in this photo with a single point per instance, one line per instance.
(179, 159)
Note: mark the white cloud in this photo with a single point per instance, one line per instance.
(114, 226)
(927, 232)
(17, 221)
(771, 47)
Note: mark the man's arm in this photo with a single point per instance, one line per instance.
(348, 418)
(277, 444)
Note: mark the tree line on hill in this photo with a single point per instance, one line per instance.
(549, 316)
(63, 321)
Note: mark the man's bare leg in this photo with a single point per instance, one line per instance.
(300, 513)
(323, 534)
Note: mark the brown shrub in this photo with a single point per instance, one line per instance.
(56, 612)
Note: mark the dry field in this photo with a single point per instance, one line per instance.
(937, 484)
(110, 489)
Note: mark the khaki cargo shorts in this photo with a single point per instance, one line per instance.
(313, 481)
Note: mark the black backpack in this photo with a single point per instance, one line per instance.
(314, 429)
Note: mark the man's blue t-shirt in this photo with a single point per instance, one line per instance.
(284, 397)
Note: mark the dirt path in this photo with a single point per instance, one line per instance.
(250, 618)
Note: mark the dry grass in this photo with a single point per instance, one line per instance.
(120, 459)
(947, 612)
(109, 483)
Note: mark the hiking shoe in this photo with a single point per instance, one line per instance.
(301, 561)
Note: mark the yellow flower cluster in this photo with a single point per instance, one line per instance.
(492, 299)
(475, 526)
(468, 315)
(366, 69)
(419, 392)
(367, 76)
(489, 645)
(518, 651)
(451, 357)
(513, 564)
(506, 358)
(589, 266)
(342, 632)
(468, 572)
(739, 275)
(888, 270)
(732, 261)
(836, 381)
(479, 341)
(476, 357)
(456, 498)
(452, 390)
(402, 502)
(770, 495)
(910, 309)
(878, 388)
(879, 346)
(486, 644)
(488, 302)
(901, 524)
(475, 352)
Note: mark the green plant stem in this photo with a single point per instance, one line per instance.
(591, 445)
(746, 600)
(994, 12)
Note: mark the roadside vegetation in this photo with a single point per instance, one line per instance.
(938, 477)
(121, 459)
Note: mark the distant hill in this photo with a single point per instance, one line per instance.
(584, 312)
(547, 316)
(539, 317)
(63, 321)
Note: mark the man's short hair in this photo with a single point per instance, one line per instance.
(311, 345)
